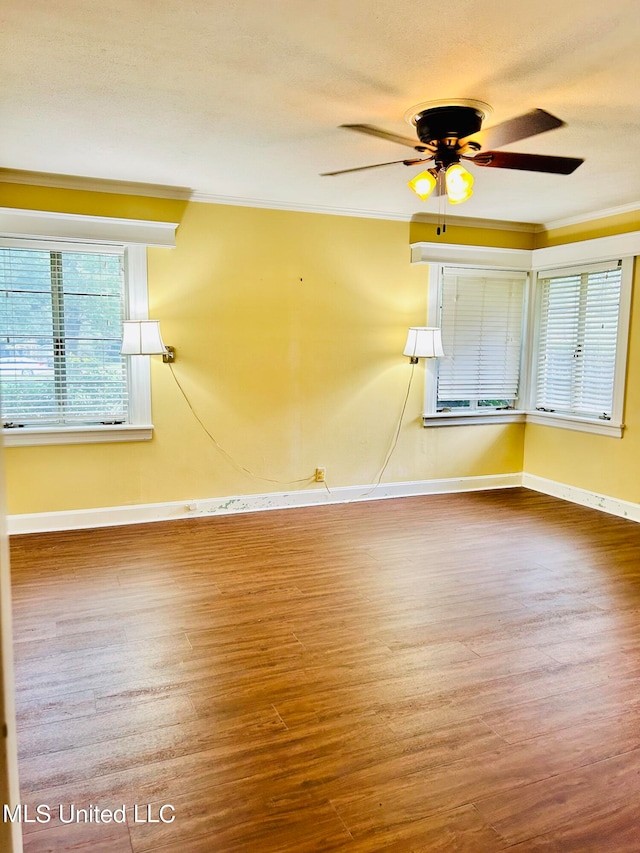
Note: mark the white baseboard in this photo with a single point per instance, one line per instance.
(614, 506)
(41, 522)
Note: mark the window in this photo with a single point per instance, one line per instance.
(558, 354)
(481, 315)
(577, 337)
(66, 283)
(61, 318)
(580, 342)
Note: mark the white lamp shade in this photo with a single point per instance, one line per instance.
(424, 342)
(142, 337)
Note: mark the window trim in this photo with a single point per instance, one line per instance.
(497, 416)
(536, 261)
(555, 419)
(99, 434)
(17, 223)
(41, 229)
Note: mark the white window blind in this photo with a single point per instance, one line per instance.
(578, 336)
(481, 319)
(61, 318)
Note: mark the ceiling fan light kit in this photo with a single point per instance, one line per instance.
(459, 183)
(451, 131)
(424, 183)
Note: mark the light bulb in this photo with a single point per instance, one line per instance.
(423, 185)
(459, 183)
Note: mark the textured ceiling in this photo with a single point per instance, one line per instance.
(243, 99)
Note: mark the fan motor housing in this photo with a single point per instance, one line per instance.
(438, 124)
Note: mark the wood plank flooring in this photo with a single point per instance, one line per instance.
(456, 673)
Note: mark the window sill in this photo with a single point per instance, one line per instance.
(596, 427)
(517, 416)
(34, 436)
(510, 416)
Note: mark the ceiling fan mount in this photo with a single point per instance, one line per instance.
(447, 122)
(450, 131)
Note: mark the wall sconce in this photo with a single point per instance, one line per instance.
(423, 342)
(142, 337)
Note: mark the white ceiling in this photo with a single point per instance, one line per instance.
(244, 98)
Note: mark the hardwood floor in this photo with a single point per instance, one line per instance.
(457, 673)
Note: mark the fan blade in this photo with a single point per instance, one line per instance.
(383, 134)
(375, 166)
(521, 127)
(527, 162)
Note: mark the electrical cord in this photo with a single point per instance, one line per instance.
(227, 455)
(248, 472)
(396, 436)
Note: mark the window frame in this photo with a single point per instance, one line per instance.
(431, 417)
(130, 238)
(615, 426)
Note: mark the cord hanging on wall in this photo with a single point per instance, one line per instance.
(142, 337)
(422, 342)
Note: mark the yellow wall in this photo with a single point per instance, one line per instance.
(608, 466)
(621, 223)
(466, 235)
(289, 329)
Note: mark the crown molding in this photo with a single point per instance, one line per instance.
(424, 218)
(587, 251)
(74, 182)
(270, 204)
(102, 185)
(632, 207)
(105, 185)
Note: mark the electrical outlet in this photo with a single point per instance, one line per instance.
(320, 472)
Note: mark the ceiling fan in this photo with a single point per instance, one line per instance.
(451, 131)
